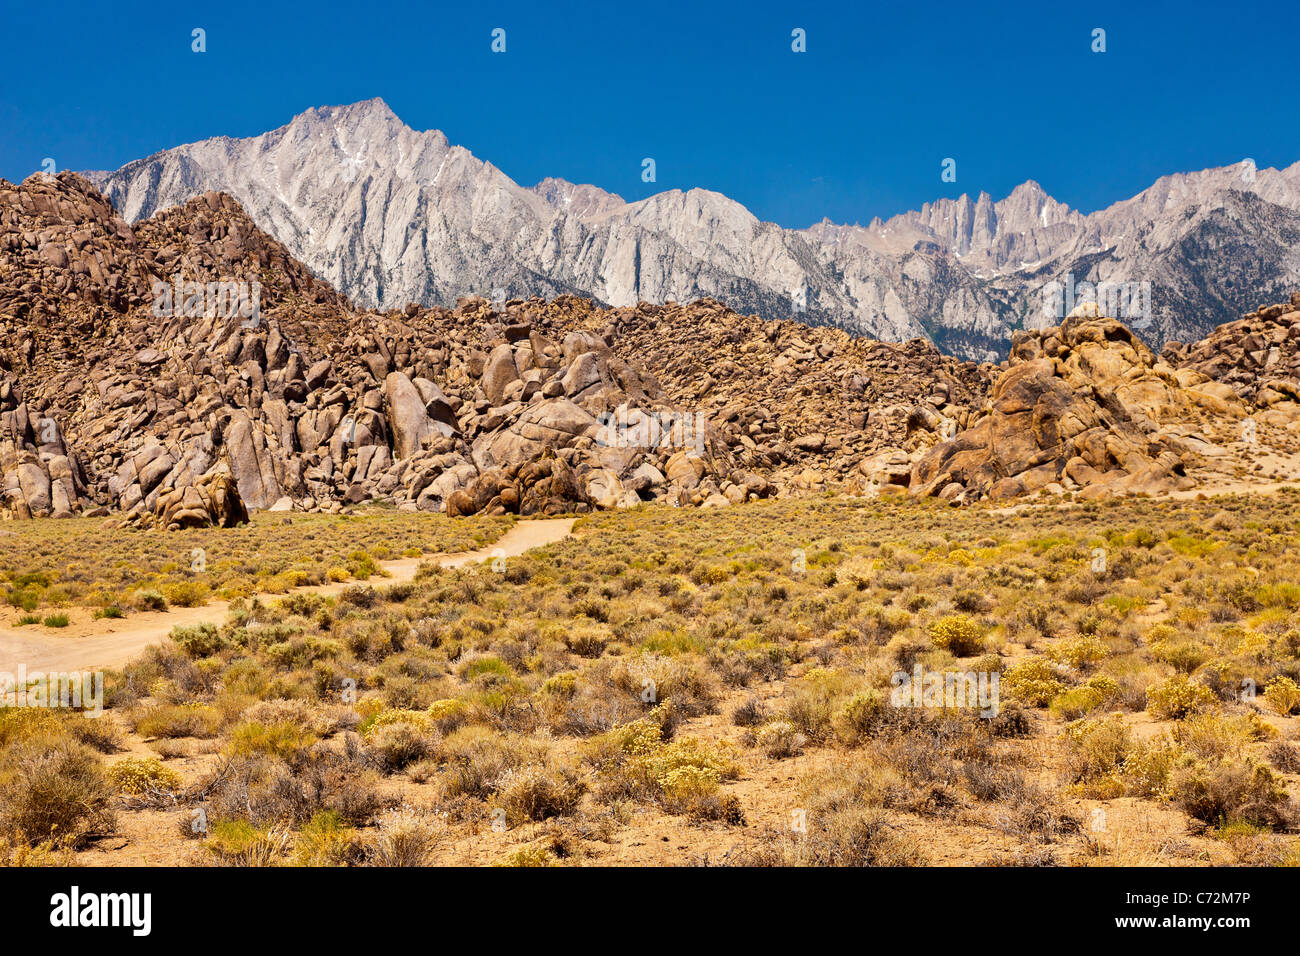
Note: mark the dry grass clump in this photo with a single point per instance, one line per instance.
(53, 789)
(266, 786)
(404, 837)
(327, 840)
(475, 760)
(1283, 695)
(536, 793)
(683, 776)
(822, 704)
(1033, 681)
(841, 821)
(179, 720)
(779, 740)
(1177, 697)
(240, 843)
(1232, 791)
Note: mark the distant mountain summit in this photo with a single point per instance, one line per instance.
(391, 215)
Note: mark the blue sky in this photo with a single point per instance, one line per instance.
(855, 127)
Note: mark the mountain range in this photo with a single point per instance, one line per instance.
(389, 215)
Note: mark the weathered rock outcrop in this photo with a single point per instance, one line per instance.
(211, 501)
(1079, 407)
(1258, 357)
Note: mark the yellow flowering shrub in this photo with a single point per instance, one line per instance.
(1283, 695)
(1079, 652)
(1032, 681)
(1177, 697)
(141, 774)
(957, 633)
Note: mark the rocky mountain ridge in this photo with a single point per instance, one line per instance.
(389, 215)
(193, 412)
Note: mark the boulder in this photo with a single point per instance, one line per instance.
(499, 373)
(408, 419)
(550, 424)
(213, 501)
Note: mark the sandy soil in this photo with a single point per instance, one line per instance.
(87, 643)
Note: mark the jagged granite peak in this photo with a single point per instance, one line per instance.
(391, 215)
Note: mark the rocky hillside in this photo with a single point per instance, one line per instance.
(391, 215)
(105, 405)
(1258, 356)
(124, 391)
(1087, 407)
(786, 398)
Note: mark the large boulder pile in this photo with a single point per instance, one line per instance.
(1257, 357)
(1080, 407)
(310, 403)
(799, 404)
(488, 412)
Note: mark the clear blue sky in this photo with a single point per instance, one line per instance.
(855, 127)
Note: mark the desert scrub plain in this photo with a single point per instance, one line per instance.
(714, 687)
(90, 563)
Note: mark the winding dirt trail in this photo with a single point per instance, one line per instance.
(89, 644)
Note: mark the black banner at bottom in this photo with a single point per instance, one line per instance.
(336, 906)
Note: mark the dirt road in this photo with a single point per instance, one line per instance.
(88, 644)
